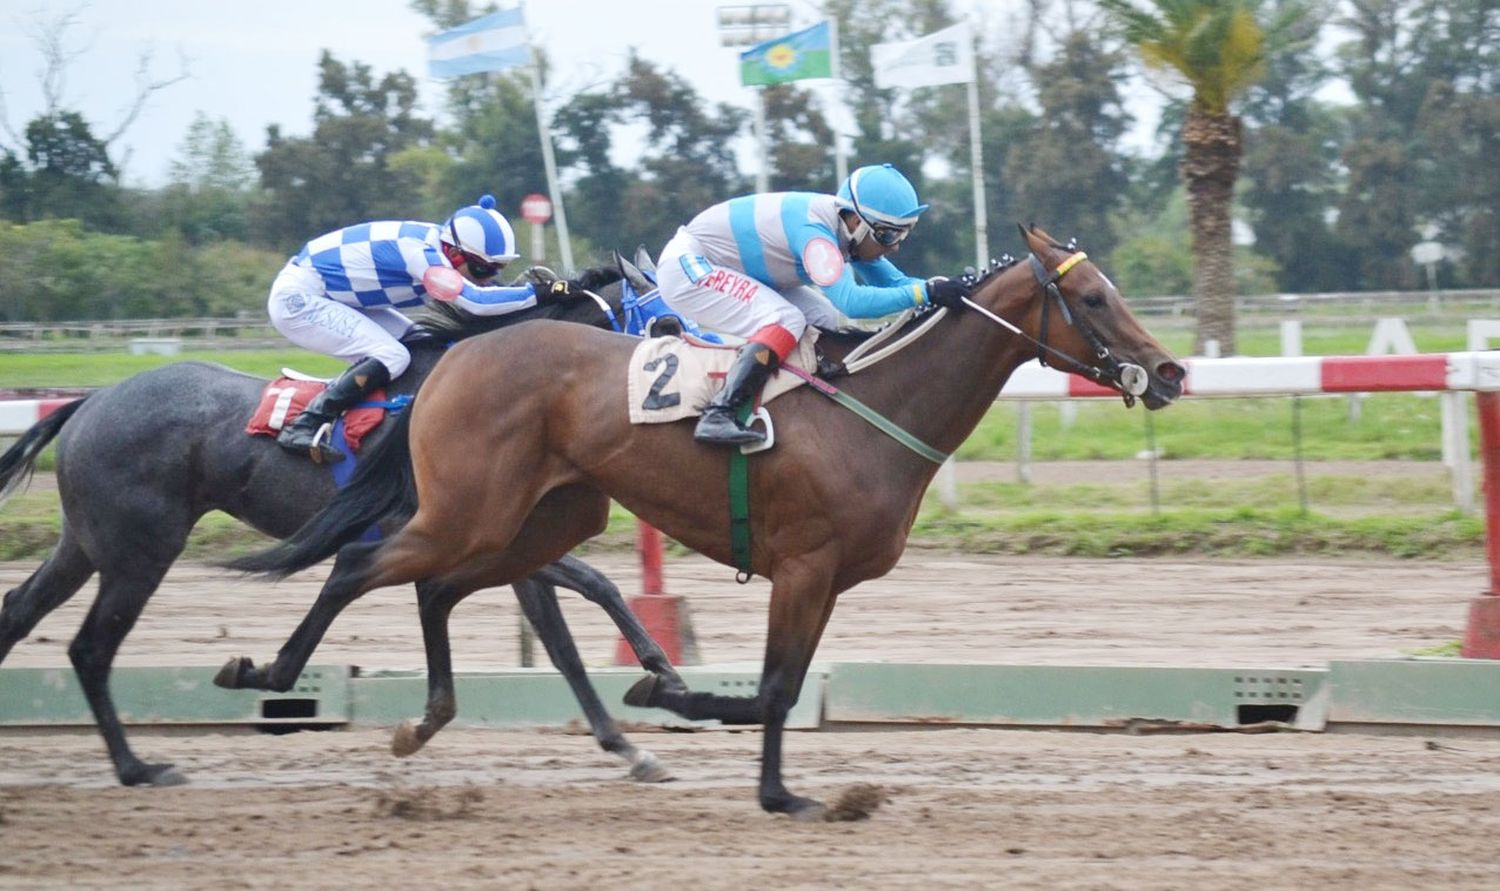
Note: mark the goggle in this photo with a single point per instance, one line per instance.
(888, 235)
(482, 268)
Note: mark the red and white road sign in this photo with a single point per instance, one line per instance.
(536, 208)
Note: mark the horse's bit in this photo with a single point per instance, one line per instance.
(1130, 379)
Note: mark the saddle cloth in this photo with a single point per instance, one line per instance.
(669, 379)
(283, 400)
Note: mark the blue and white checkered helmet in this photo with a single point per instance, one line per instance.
(482, 231)
(881, 196)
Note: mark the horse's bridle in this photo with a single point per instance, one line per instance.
(1130, 379)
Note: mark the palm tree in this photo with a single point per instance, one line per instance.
(1218, 47)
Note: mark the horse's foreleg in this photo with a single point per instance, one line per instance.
(538, 601)
(351, 577)
(801, 602)
(576, 575)
(435, 603)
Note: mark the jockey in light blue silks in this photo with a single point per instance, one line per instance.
(341, 295)
(762, 266)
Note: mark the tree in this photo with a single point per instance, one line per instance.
(1218, 49)
(208, 195)
(343, 173)
(1066, 170)
(66, 174)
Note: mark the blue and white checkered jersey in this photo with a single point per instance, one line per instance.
(381, 264)
(787, 239)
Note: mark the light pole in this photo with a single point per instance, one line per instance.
(748, 25)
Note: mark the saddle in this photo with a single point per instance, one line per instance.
(284, 398)
(671, 378)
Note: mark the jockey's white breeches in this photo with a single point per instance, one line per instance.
(301, 311)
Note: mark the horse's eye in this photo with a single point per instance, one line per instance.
(1093, 301)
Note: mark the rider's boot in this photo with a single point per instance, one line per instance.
(720, 425)
(311, 431)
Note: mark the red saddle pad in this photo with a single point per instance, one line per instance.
(284, 399)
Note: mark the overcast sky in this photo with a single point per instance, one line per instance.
(255, 63)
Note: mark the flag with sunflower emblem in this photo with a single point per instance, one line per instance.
(798, 56)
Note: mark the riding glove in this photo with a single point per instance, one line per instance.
(946, 292)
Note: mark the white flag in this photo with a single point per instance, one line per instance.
(493, 42)
(942, 57)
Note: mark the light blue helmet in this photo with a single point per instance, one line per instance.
(881, 196)
(482, 231)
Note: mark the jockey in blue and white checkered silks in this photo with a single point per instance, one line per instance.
(763, 266)
(343, 293)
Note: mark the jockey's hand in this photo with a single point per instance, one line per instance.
(549, 287)
(555, 291)
(946, 292)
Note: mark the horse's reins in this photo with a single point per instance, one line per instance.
(1130, 379)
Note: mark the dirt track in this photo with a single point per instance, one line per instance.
(965, 808)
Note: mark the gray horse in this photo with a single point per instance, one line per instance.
(139, 462)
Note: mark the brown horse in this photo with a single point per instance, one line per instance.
(516, 476)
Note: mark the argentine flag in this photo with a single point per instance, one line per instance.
(494, 42)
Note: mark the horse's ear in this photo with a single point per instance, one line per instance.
(632, 274)
(1028, 234)
(644, 261)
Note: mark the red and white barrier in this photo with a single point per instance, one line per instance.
(19, 415)
(1286, 376)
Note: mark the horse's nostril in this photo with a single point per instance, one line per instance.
(1171, 372)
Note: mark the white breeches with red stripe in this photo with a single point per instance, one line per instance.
(307, 317)
(720, 298)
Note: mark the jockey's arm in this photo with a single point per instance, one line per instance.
(480, 300)
(889, 289)
(495, 301)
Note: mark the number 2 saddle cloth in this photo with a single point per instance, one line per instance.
(669, 379)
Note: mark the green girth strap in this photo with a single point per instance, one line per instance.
(739, 465)
(739, 505)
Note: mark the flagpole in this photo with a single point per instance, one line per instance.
(763, 174)
(564, 243)
(840, 162)
(976, 160)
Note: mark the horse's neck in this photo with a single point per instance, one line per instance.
(939, 388)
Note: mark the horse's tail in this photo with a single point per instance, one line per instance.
(19, 461)
(382, 488)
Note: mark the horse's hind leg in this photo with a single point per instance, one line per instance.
(58, 578)
(539, 601)
(576, 575)
(122, 596)
(434, 603)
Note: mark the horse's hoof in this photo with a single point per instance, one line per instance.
(642, 693)
(808, 811)
(406, 741)
(168, 776)
(229, 676)
(152, 775)
(646, 769)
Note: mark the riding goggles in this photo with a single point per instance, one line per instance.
(482, 268)
(889, 235)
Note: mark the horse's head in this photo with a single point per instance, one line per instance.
(1080, 323)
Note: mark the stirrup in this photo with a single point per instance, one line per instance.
(322, 449)
(760, 414)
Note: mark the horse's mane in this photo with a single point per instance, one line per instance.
(446, 322)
